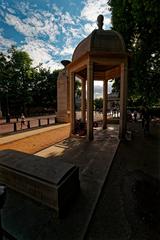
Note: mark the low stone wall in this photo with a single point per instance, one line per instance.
(51, 182)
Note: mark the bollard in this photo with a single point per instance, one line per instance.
(15, 127)
(48, 121)
(28, 124)
(2, 201)
(39, 122)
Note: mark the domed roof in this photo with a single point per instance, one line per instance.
(100, 41)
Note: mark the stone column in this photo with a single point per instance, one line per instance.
(105, 96)
(72, 102)
(123, 101)
(90, 101)
(62, 97)
(68, 96)
(83, 101)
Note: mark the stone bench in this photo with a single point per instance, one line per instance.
(51, 182)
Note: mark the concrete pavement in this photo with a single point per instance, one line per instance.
(27, 219)
(128, 208)
(25, 134)
(119, 197)
(14, 126)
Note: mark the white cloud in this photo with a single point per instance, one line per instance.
(54, 27)
(56, 9)
(67, 50)
(11, 10)
(89, 27)
(53, 65)
(98, 88)
(1, 13)
(34, 25)
(23, 7)
(69, 45)
(37, 52)
(4, 42)
(107, 21)
(74, 31)
(41, 23)
(19, 25)
(41, 52)
(4, 4)
(66, 19)
(45, 24)
(93, 8)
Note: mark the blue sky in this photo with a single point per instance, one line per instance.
(49, 30)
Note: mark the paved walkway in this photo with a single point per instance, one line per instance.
(9, 128)
(116, 202)
(27, 219)
(25, 134)
(129, 206)
(35, 140)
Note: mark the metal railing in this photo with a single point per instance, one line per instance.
(30, 123)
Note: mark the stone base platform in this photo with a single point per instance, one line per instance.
(51, 182)
(62, 118)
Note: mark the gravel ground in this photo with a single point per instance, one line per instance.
(39, 141)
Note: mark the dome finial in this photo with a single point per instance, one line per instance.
(100, 19)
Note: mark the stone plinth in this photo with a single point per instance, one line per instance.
(51, 182)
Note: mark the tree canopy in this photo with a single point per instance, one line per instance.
(23, 86)
(98, 104)
(139, 24)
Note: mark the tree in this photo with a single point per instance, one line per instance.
(3, 82)
(20, 81)
(138, 22)
(15, 81)
(78, 88)
(98, 103)
(44, 89)
(23, 86)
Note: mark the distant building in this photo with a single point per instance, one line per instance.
(113, 101)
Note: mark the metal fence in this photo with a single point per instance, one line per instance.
(30, 123)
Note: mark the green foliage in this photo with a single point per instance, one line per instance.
(44, 90)
(78, 88)
(23, 87)
(138, 22)
(98, 103)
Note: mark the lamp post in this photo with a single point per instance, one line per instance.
(7, 107)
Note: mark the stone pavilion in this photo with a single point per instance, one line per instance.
(100, 56)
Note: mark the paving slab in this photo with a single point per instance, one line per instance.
(36, 140)
(23, 134)
(26, 219)
(128, 208)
